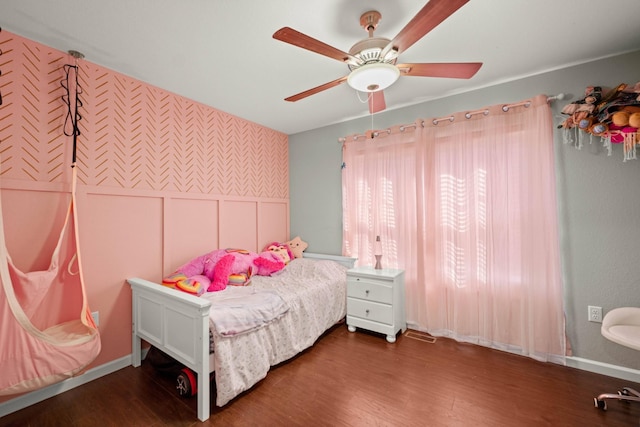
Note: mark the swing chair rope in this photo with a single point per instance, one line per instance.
(72, 101)
(71, 127)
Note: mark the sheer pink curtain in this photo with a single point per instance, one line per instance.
(468, 208)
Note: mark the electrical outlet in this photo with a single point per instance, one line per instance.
(96, 317)
(595, 314)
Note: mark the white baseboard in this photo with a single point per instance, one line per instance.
(602, 368)
(614, 371)
(34, 397)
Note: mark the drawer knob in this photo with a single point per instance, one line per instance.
(367, 311)
(366, 292)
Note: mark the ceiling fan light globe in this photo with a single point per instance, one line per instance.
(373, 77)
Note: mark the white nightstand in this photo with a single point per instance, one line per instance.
(375, 300)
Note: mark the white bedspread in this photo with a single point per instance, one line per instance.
(237, 310)
(314, 291)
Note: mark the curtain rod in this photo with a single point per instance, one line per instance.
(468, 115)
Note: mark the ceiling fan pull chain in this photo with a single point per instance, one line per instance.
(362, 101)
(371, 114)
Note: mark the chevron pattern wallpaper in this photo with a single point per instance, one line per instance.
(133, 135)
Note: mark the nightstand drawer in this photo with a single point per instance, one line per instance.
(370, 310)
(369, 290)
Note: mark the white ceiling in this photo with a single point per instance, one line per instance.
(221, 52)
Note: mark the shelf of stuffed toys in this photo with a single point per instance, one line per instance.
(610, 116)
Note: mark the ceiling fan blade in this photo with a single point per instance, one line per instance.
(429, 17)
(453, 70)
(315, 90)
(376, 102)
(296, 38)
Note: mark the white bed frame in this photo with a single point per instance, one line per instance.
(178, 324)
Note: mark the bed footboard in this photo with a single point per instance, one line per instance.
(176, 323)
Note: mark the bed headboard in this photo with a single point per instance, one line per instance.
(346, 261)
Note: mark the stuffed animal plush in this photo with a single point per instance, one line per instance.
(193, 285)
(581, 110)
(280, 249)
(620, 118)
(212, 271)
(297, 246)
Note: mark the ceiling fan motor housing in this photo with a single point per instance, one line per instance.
(368, 50)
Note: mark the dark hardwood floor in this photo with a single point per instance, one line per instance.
(357, 379)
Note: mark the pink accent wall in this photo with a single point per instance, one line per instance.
(162, 179)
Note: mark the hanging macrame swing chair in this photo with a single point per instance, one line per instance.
(47, 333)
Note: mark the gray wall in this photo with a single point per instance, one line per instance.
(598, 196)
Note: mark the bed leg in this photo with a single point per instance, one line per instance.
(136, 342)
(136, 353)
(203, 396)
(204, 379)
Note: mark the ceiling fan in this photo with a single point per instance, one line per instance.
(372, 61)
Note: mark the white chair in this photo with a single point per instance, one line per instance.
(622, 326)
